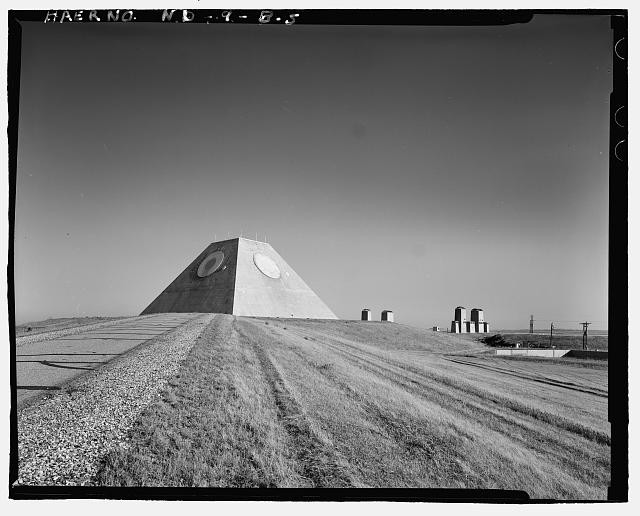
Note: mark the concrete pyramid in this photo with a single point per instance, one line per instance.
(241, 277)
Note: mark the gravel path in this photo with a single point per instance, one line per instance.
(56, 334)
(62, 439)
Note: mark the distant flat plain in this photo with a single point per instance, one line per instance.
(562, 339)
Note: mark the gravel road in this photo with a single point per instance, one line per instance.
(62, 439)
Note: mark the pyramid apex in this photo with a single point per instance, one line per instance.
(229, 239)
(250, 239)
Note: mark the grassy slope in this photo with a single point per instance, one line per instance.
(310, 403)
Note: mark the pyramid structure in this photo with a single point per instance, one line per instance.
(241, 277)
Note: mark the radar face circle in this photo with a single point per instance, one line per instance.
(266, 265)
(210, 264)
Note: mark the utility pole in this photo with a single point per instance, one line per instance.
(585, 325)
(531, 325)
(551, 337)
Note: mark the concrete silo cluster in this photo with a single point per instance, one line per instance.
(477, 323)
(386, 315)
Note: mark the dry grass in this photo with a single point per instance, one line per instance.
(216, 424)
(315, 404)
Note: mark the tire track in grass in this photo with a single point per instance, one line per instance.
(571, 372)
(496, 417)
(460, 469)
(482, 396)
(215, 425)
(484, 410)
(317, 460)
(580, 466)
(415, 437)
(480, 410)
(534, 378)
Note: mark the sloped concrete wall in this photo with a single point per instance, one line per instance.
(259, 295)
(239, 287)
(191, 293)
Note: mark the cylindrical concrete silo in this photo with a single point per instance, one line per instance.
(387, 315)
(366, 314)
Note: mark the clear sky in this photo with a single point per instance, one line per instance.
(405, 168)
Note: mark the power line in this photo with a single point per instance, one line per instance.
(566, 320)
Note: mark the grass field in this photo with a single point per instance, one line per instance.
(292, 403)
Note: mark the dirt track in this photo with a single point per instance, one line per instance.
(534, 374)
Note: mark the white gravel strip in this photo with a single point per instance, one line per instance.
(56, 334)
(62, 439)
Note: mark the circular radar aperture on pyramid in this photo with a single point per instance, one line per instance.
(210, 264)
(266, 265)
